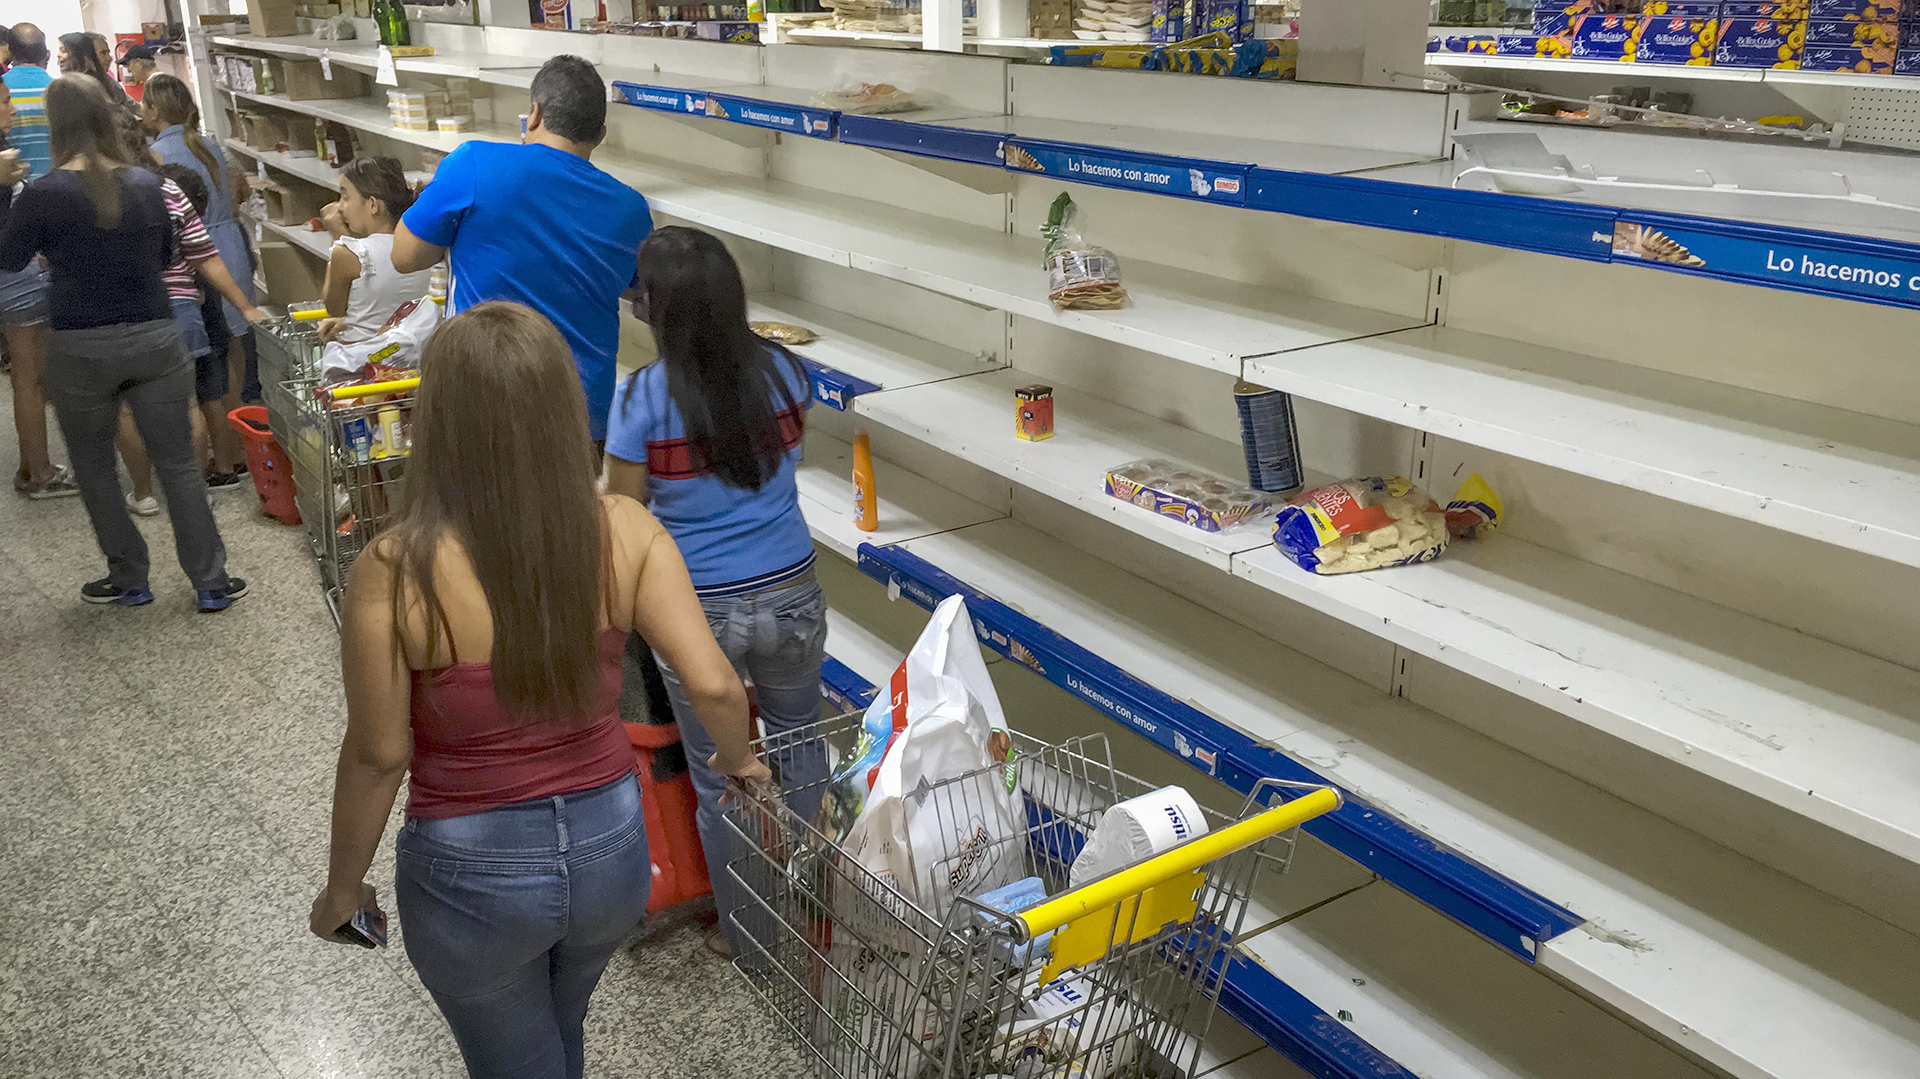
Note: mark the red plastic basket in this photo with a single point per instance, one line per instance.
(269, 465)
(673, 835)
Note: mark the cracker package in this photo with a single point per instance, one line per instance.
(1208, 502)
(1080, 276)
(1379, 521)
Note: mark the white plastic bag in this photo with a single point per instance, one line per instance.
(397, 347)
(923, 829)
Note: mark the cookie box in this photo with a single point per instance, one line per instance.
(1844, 34)
(1746, 42)
(1856, 10)
(1606, 37)
(1676, 40)
(1753, 9)
(1556, 46)
(1906, 62)
(1859, 59)
(1682, 9)
(1201, 499)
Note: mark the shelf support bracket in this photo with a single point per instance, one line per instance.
(983, 178)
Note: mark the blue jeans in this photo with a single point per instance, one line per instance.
(511, 915)
(776, 639)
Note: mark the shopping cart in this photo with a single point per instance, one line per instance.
(347, 444)
(1119, 977)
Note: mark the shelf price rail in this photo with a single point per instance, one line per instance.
(1498, 909)
(1811, 261)
(1254, 996)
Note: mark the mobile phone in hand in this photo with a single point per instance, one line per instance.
(366, 929)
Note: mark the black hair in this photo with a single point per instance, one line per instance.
(572, 99)
(381, 178)
(28, 45)
(86, 61)
(190, 184)
(725, 379)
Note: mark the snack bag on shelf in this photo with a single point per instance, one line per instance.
(1377, 521)
(1191, 496)
(1080, 276)
(866, 98)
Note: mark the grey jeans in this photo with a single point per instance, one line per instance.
(89, 373)
(777, 639)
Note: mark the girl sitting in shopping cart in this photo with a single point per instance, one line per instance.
(363, 290)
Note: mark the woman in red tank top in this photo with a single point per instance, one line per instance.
(481, 644)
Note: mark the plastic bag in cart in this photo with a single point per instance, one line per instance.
(935, 822)
(397, 347)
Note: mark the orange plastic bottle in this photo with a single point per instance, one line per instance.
(866, 503)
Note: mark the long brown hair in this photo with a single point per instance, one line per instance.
(172, 103)
(80, 123)
(502, 464)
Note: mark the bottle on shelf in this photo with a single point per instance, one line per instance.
(866, 502)
(391, 18)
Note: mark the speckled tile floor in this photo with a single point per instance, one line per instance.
(165, 780)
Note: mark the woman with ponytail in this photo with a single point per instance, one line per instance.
(168, 109)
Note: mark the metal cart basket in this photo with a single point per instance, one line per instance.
(346, 443)
(1118, 977)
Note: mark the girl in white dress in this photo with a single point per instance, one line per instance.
(363, 289)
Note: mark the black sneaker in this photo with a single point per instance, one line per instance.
(240, 468)
(105, 591)
(222, 481)
(219, 599)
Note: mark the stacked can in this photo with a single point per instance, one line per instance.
(1267, 438)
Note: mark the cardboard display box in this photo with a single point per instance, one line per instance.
(272, 18)
(302, 81)
(292, 275)
(292, 203)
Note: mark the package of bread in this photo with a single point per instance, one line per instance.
(1373, 522)
(1080, 276)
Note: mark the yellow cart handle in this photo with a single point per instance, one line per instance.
(348, 393)
(1183, 859)
(313, 314)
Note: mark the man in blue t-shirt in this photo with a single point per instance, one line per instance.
(27, 80)
(538, 224)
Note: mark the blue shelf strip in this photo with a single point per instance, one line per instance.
(1130, 170)
(1797, 260)
(835, 388)
(844, 689)
(671, 99)
(1273, 1010)
(777, 116)
(1499, 909)
(1554, 228)
(949, 143)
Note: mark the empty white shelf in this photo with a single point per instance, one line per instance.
(1836, 476)
(885, 357)
(311, 169)
(1752, 971)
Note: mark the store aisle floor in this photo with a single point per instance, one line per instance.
(165, 780)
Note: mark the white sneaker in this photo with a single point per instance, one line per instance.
(145, 507)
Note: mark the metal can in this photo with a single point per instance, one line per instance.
(1267, 438)
(358, 438)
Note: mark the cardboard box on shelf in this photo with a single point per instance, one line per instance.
(272, 18)
(1856, 10)
(1859, 59)
(1779, 10)
(292, 275)
(266, 130)
(304, 81)
(1677, 40)
(293, 203)
(1549, 46)
(1770, 43)
(1906, 62)
(1851, 33)
(1606, 37)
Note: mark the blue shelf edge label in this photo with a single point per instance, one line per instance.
(844, 689)
(1208, 181)
(1760, 256)
(662, 98)
(835, 388)
(1505, 912)
(949, 143)
(792, 119)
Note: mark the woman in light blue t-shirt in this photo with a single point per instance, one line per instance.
(709, 437)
